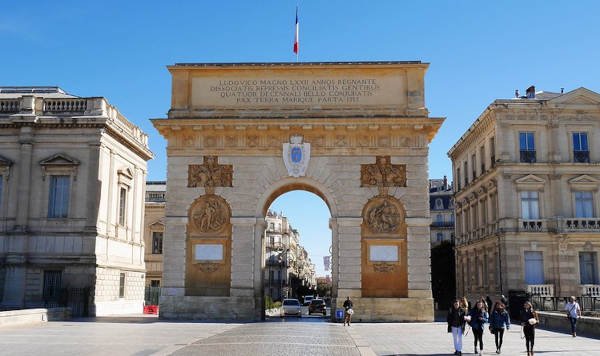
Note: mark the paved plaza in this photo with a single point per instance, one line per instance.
(287, 337)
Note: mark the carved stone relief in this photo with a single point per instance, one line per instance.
(208, 267)
(384, 267)
(209, 214)
(210, 174)
(383, 174)
(382, 215)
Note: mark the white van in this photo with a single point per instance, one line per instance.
(307, 299)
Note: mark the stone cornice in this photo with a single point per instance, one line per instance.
(474, 133)
(253, 136)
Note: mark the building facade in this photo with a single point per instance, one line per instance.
(154, 228)
(287, 265)
(526, 175)
(441, 205)
(72, 173)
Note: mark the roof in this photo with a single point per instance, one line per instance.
(291, 64)
(8, 92)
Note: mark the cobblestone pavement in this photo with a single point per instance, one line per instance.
(284, 337)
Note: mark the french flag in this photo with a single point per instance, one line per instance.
(296, 38)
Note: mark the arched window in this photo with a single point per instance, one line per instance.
(439, 204)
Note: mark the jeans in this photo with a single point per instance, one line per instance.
(573, 324)
(498, 335)
(457, 334)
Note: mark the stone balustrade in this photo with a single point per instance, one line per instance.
(580, 224)
(543, 290)
(65, 105)
(9, 105)
(93, 106)
(532, 225)
(592, 290)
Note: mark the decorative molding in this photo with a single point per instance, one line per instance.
(208, 267)
(296, 156)
(59, 163)
(210, 174)
(384, 215)
(384, 267)
(383, 173)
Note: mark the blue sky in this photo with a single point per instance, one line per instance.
(478, 50)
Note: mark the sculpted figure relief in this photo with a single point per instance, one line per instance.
(383, 173)
(210, 173)
(210, 214)
(383, 217)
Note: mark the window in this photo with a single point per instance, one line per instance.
(465, 164)
(122, 205)
(584, 205)
(439, 204)
(530, 205)
(1, 185)
(527, 147)
(482, 158)
(534, 267)
(122, 285)
(492, 152)
(439, 237)
(588, 268)
(439, 218)
(155, 283)
(58, 198)
(581, 152)
(52, 285)
(473, 165)
(157, 242)
(458, 179)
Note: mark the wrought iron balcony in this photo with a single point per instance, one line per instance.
(527, 156)
(581, 156)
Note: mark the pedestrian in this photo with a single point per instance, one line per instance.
(488, 301)
(573, 313)
(499, 320)
(529, 320)
(465, 304)
(479, 317)
(456, 324)
(504, 301)
(348, 311)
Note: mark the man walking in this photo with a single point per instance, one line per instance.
(573, 313)
(348, 311)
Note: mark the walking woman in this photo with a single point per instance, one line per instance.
(479, 317)
(456, 325)
(499, 320)
(529, 320)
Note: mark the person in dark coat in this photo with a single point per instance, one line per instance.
(499, 320)
(456, 324)
(529, 320)
(479, 317)
(348, 311)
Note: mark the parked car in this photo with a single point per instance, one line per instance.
(307, 299)
(292, 307)
(317, 306)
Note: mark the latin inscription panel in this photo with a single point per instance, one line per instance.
(268, 89)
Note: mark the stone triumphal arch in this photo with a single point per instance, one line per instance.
(240, 135)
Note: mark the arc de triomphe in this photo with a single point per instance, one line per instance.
(240, 135)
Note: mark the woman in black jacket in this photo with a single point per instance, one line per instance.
(456, 325)
(529, 320)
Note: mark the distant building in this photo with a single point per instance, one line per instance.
(287, 265)
(441, 207)
(527, 177)
(72, 180)
(154, 228)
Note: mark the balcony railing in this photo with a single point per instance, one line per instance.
(542, 290)
(9, 105)
(591, 290)
(527, 156)
(581, 156)
(581, 224)
(442, 224)
(65, 105)
(532, 225)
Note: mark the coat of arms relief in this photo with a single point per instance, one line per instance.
(296, 155)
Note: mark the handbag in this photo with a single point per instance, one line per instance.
(350, 311)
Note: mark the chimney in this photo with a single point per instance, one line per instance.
(530, 92)
(562, 90)
(445, 183)
(517, 93)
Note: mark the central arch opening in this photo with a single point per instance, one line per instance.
(297, 277)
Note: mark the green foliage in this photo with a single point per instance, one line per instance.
(268, 302)
(277, 305)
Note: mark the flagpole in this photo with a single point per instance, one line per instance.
(296, 37)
